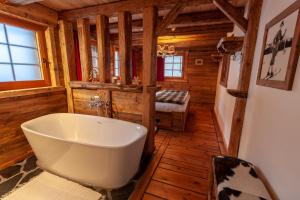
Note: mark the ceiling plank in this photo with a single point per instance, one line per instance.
(232, 13)
(170, 17)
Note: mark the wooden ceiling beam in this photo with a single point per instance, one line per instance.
(232, 13)
(134, 6)
(184, 20)
(34, 13)
(199, 30)
(170, 17)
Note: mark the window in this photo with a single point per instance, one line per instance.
(94, 56)
(173, 66)
(117, 64)
(22, 57)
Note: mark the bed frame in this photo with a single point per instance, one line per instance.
(174, 121)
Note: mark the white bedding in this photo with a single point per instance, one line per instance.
(172, 107)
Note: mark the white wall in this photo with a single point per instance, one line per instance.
(224, 103)
(271, 132)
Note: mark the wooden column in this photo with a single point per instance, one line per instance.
(245, 74)
(149, 75)
(125, 29)
(103, 43)
(83, 27)
(52, 56)
(68, 61)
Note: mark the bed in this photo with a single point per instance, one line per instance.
(172, 107)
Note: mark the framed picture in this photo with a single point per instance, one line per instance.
(280, 50)
(225, 64)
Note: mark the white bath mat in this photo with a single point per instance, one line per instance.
(47, 186)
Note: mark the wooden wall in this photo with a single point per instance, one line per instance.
(127, 106)
(200, 80)
(17, 107)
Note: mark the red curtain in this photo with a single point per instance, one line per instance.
(77, 56)
(160, 69)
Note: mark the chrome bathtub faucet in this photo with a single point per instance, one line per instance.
(97, 103)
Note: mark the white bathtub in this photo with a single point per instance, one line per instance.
(91, 150)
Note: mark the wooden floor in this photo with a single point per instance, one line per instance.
(180, 167)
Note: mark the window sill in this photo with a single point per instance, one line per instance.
(173, 80)
(30, 92)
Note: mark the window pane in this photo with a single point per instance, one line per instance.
(169, 59)
(2, 34)
(117, 64)
(6, 73)
(27, 72)
(95, 62)
(168, 72)
(94, 51)
(116, 71)
(4, 56)
(116, 55)
(20, 36)
(177, 73)
(168, 66)
(177, 67)
(24, 55)
(177, 59)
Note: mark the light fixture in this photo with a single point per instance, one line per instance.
(165, 50)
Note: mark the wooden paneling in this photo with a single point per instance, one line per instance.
(17, 107)
(125, 105)
(201, 79)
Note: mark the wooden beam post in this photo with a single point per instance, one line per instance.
(149, 75)
(232, 13)
(170, 17)
(83, 28)
(245, 74)
(125, 33)
(103, 43)
(52, 56)
(68, 61)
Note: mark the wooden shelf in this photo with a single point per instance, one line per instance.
(230, 45)
(237, 93)
(216, 57)
(105, 86)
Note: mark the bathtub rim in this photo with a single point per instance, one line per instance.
(144, 133)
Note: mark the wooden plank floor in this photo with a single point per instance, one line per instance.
(180, 167)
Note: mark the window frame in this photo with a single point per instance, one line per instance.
(183, 77)
(42, 52)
